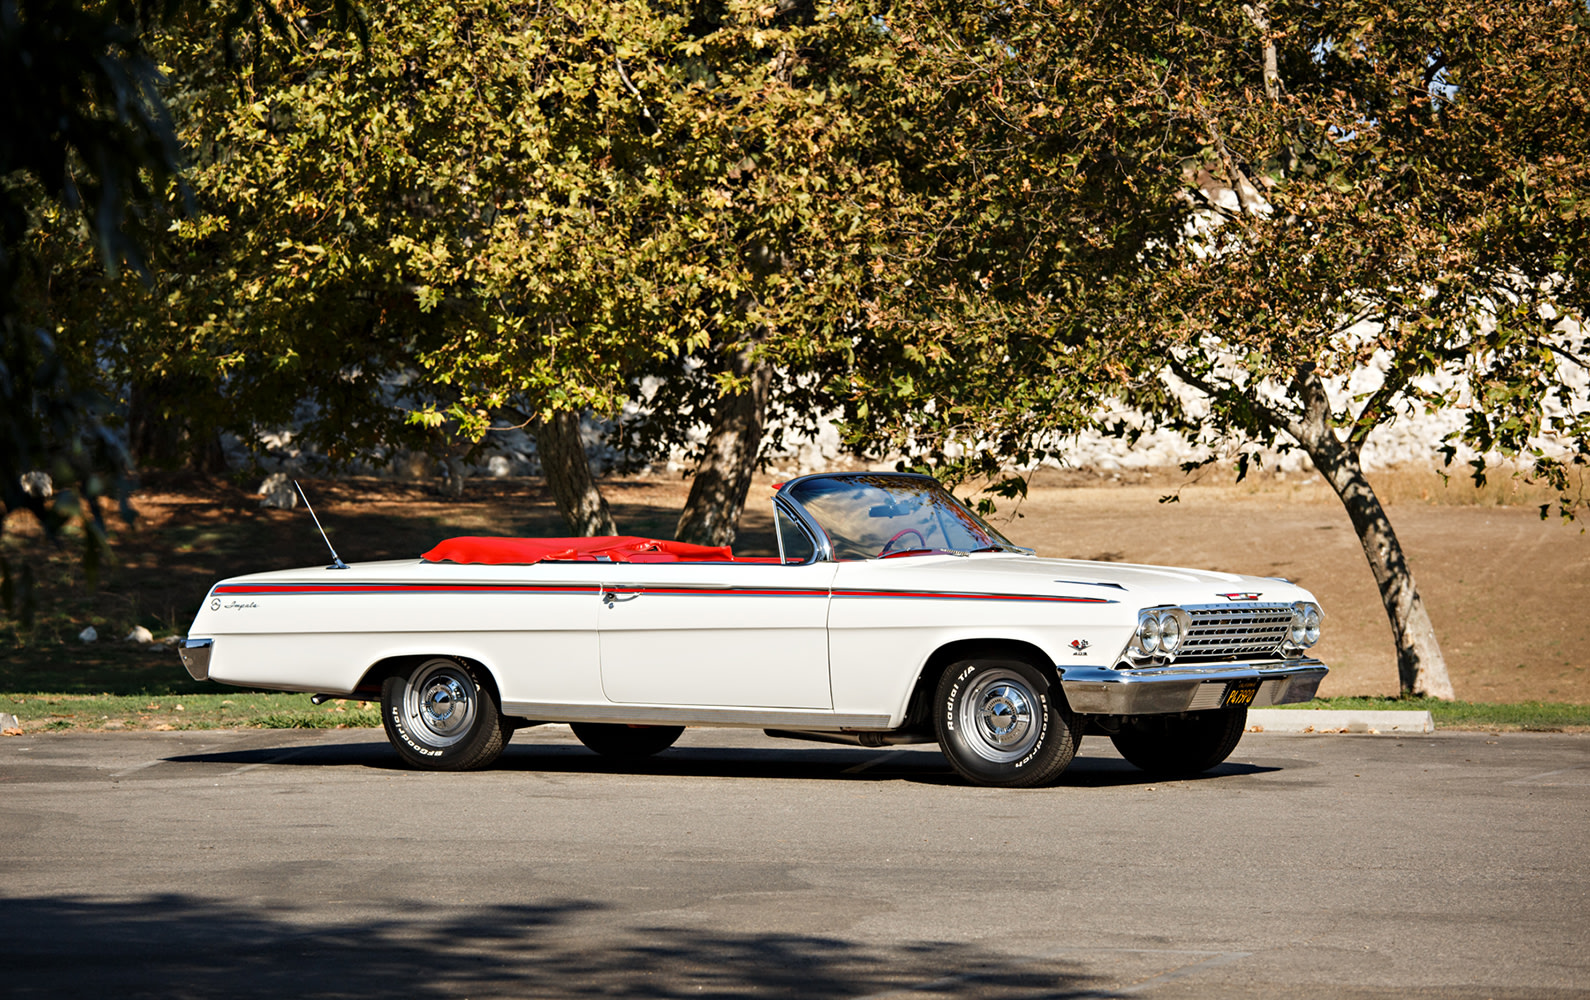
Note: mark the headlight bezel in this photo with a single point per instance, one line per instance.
(1305, 629)
(1160, 634)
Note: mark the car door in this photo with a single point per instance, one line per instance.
(716, 634)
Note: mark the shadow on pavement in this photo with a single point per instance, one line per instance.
(184, 945)
(923, 766)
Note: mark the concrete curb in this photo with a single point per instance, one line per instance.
(1282, 720)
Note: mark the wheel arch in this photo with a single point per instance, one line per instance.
(397, 665)
(919, 709)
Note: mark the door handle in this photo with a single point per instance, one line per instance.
(609, 598)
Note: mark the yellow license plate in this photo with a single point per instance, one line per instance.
(1241, 693)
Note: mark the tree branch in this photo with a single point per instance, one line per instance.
(1570, 355)
(1362, 425)
(1276, 418)
(619, 63)
(1272, 75)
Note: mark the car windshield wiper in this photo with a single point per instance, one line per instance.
(998, 547)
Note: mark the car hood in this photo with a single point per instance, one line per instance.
(1139, 584)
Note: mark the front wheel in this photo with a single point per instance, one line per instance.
(999, 723)
(1172, 745)
(626, 742)
(439, 717)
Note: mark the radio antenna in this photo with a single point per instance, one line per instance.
(336, 560)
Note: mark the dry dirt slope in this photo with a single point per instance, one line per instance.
(1503, 587)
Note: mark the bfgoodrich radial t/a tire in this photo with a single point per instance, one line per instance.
(1000, 724)
(629, 742)
(1181, 745)
(439, 717)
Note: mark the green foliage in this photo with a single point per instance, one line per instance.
(88, 147)
(1415, 207)
(508, 208)
(676, 185)
(1410, 199)
(969, 226)
(1044, 181)
(505, 207)
(84, 128)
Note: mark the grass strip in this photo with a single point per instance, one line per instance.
(1538, 716)
(276, 710)
(234, 709)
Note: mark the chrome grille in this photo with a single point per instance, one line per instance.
(1234, 631)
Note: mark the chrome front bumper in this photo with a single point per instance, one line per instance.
(195, 655)
(1190, 688)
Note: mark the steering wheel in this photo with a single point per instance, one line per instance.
(887, 546)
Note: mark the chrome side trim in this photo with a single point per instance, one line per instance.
(195, 655)
(1163, 690)
(752, 718)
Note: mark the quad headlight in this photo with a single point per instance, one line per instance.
(1148, 634)
(1160, 632)
(1306, 619)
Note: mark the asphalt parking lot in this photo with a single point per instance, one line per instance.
(287, 863)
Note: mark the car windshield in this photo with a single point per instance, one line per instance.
(873, 515)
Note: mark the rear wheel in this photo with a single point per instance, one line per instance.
(1181, 745)
(999, 723)
(626, 742)
(439, 717)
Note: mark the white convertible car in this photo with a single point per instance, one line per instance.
(892, 614)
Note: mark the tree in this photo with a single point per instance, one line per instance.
(328, 177)
(1407, 193)
(83, 127)
(1048, 182)
(697, 194)
(498, 208)
(1413, 187)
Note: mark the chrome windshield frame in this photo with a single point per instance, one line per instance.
(823, 545)
(822, 548)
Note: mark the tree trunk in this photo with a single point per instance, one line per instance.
(161, 437)
(717, 496)
(568, 474)
(456, 479)
(1421, 668)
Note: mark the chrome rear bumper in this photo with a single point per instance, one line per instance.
(1190, 688)
(195, 655)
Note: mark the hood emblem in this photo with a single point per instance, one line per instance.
(1245, 596)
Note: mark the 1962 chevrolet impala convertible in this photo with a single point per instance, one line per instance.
(892, 614)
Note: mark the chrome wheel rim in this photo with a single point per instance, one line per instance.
(440, 703)
(1001, 716)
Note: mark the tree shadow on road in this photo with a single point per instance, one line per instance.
(186, 945)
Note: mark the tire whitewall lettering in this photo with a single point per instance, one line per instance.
(439, 717)
(1000, 722)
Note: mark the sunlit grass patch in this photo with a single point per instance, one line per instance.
(1545, 716)
(240, 709)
